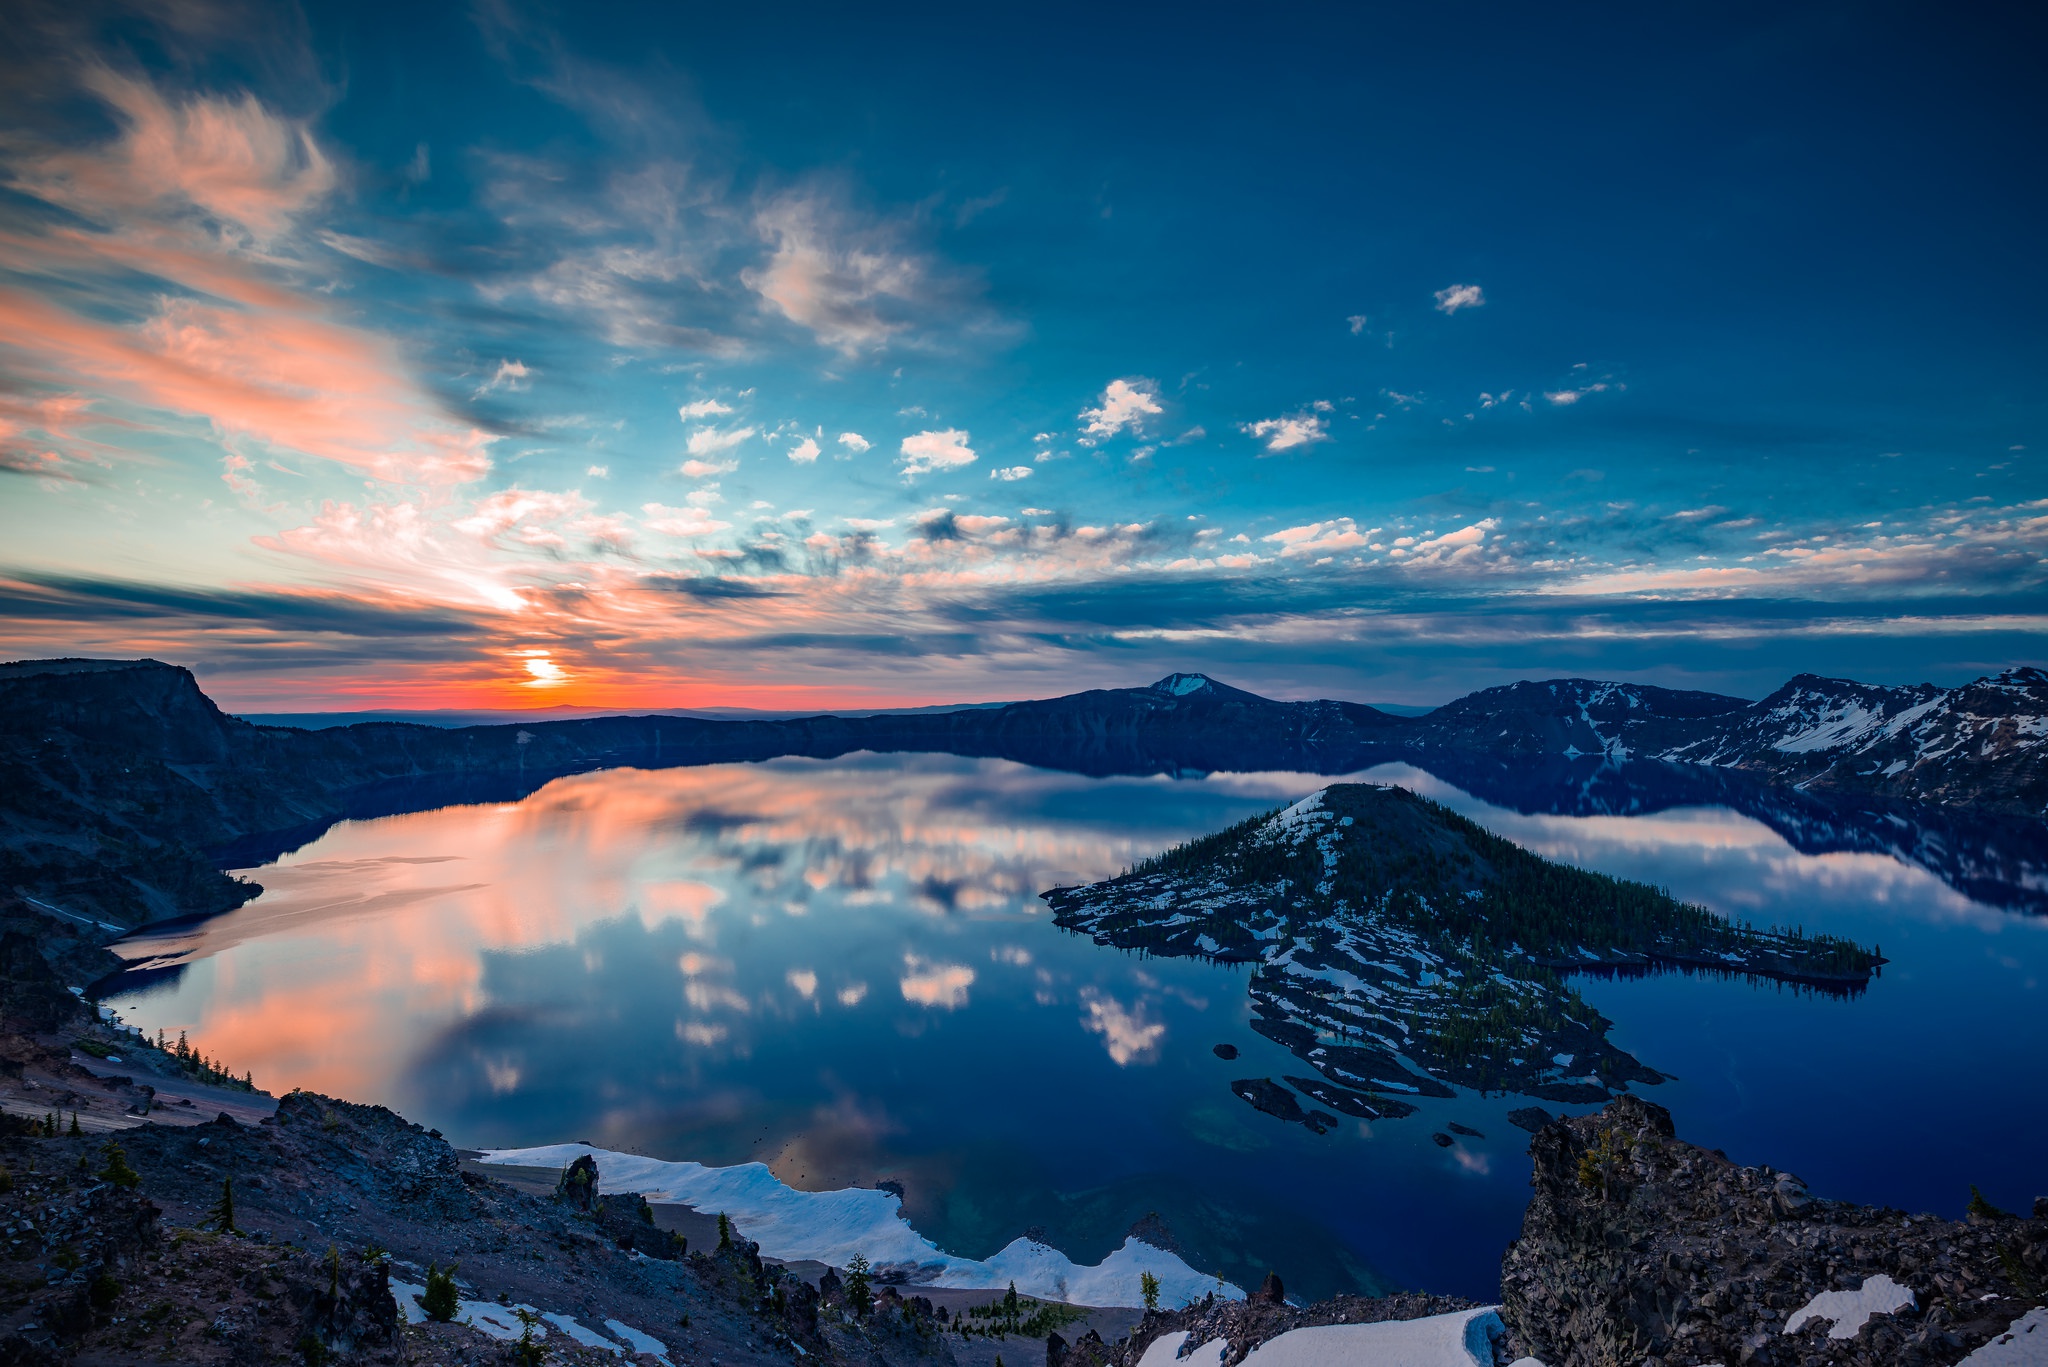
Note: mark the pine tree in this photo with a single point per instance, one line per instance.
(117, 1170)
(74, 1124)
(1148, 1287)
(222, 1216)
(439, 1299)
(724, 1232)
(858, 1297)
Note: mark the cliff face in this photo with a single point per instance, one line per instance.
(1639, 1248)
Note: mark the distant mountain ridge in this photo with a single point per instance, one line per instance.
(124, 790)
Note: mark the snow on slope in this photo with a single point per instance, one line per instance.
(832, 1226)
(1462, 1339)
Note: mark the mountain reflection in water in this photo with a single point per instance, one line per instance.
(841, 968)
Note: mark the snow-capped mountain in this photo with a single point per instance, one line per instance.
(1982, 743)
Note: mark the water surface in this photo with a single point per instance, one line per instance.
(841, 968)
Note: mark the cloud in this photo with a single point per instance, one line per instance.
(1125, 406)
(1284, 434)
(1565, 397)
(247, 169)
(853, 994)
(851, 287)
(704, 469)
(680, 521)
(1358, 323)
(1012, 473)
(702, 408)
(1126, 1034)
(935, 985)
(804, 981)
(1696, 514)
(709, 441)
(854, 442)
(946, 449)
(1455, 297)
(1319, 538)
(804, 452)
(509, 375)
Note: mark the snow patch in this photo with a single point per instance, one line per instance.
(1462, 1339)
(2023, 1344)
(832, 1226)
(1851, 1310)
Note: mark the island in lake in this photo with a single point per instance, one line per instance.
(1400, 949)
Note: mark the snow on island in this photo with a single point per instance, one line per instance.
(1464, 1338)
(831, 1226)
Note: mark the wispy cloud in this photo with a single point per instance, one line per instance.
(710, 441)
(854, 442)
(702, 408)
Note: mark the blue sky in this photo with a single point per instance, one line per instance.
(628, 355)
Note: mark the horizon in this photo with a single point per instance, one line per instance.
(362, 359)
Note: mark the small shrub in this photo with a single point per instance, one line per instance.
(117, 1170)
(1148, 1287)
(104, 1291)
(1982, 1208)
(439, 1299)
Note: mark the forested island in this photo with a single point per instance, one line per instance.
(1400, 948)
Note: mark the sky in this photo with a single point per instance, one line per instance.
(616, 355)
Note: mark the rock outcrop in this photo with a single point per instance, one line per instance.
(1638, 1248)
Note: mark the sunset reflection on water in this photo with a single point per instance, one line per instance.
(842, 969)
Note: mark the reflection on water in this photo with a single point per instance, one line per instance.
(841, 968)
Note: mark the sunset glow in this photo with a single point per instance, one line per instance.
(610, 362)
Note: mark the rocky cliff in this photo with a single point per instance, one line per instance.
(1638, 1248)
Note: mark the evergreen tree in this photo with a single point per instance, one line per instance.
(74, 1124)
(222, 1216)
(1148, 1287)
(724, 1232)
(439, 1299)
(859, 1298)
(117, 1170)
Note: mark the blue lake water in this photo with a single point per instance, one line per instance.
(841, 968)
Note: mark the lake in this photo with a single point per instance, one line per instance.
(842, 969)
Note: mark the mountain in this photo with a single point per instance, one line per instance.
(1389, 934)
(124, 791)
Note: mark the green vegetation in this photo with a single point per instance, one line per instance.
(859, 1294)
(1418, 864)
(1982, 1208)
(222, 1216)
(439, 1298)
(1600, 1165)
(184, 1059)
(1148, 1289)
(528, 1351)
(117, 1170)
(1011, 1314)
